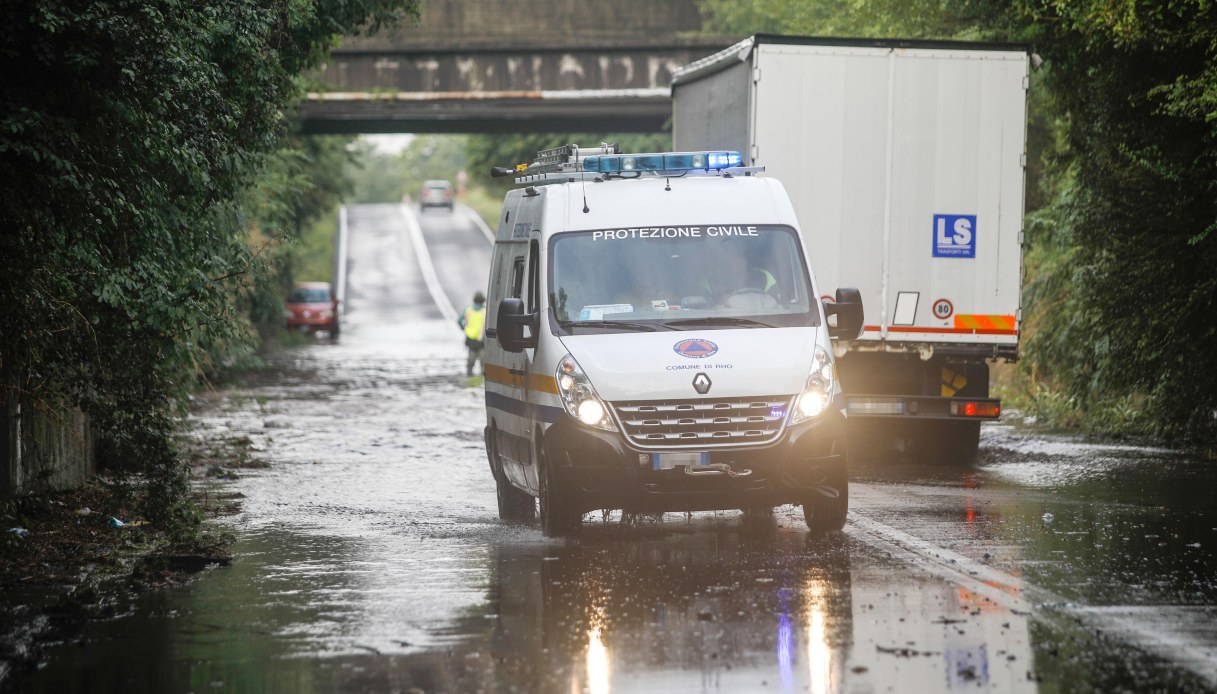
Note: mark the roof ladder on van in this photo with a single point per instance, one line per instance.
(565, 161)
(571, 162)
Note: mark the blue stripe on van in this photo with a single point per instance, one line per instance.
(519, 408)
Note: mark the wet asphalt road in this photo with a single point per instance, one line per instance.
(370, 556)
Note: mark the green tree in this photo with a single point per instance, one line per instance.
(1121, 254)
(1136, 84)
(129, 130)
(303, 180)
(873, 18)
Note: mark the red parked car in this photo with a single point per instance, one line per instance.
(311, 307)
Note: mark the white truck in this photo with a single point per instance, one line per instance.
(904, 162)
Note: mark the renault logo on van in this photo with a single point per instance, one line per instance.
(701, 383)
(695, 348)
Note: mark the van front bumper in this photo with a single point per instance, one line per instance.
(599, 469)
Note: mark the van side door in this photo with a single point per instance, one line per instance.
(532, 305)
(505, 376)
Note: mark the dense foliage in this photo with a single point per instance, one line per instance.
(1121, 256)
(130, 134)
(296, 194)
(1135, 288)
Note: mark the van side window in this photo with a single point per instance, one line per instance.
(517, 278)
(496, 272)
(534, 279)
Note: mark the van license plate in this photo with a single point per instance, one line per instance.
(667, 461)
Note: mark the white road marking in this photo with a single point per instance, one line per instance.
(1173, 638)
(1003, 589)
(424, 263)
(340, 279)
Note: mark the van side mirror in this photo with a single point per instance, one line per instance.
(848, 311)
(510, 324)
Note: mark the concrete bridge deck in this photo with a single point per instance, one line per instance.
(513, 66)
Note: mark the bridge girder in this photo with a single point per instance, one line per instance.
(608, 89)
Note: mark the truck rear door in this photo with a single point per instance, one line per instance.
(906, 170)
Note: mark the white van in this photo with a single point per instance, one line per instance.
(658, 343)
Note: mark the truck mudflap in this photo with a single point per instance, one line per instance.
(909, 407)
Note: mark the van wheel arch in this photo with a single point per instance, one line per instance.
(514, 504)
(558, 516)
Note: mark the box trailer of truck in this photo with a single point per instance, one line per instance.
(904, 161)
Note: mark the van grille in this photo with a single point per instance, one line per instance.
(666, 424)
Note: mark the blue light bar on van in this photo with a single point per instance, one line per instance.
(665, 162)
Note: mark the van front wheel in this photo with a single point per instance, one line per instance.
(826, 507)
(558, 519)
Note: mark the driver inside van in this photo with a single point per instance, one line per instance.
(646, 280)
(738, 283)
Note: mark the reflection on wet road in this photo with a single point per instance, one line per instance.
(370, 556)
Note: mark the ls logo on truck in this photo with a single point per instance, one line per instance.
(695, 348)
(954, 236)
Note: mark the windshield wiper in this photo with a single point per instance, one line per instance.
(624, 325)
(719, 320)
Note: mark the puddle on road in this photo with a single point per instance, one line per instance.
(370, 558)
(707, 607)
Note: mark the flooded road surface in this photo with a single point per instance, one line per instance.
(370, 556)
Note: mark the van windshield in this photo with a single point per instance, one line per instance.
(685, 277)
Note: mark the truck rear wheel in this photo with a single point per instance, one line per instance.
(558, 518)
(825, 509)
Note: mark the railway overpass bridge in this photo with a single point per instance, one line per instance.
(513, 66)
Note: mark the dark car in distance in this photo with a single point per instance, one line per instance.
(311, 307)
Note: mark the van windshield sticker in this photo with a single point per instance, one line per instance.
(673, 232)
(600, 311)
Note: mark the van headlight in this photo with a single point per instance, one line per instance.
(818, 392)
(579, 397)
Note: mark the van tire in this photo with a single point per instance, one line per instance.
(558, 519)
(515, 505)
(824, 513)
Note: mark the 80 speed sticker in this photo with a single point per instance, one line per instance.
(943, 309)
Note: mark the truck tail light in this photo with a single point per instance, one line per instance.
(971, 408)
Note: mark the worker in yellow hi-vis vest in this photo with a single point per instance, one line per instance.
(473, 322)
